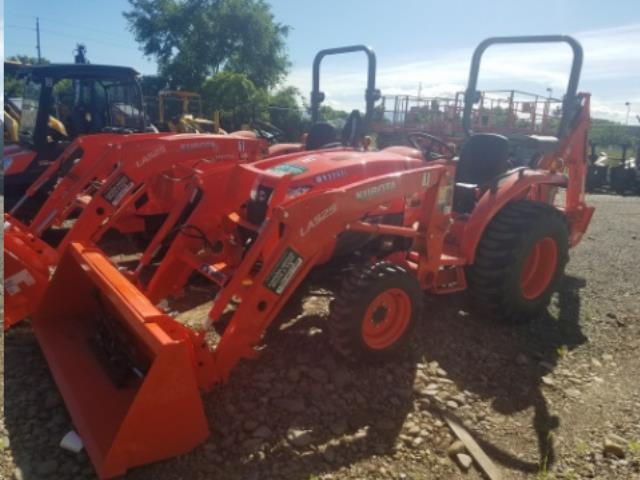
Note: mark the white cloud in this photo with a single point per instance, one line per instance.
(611, 72)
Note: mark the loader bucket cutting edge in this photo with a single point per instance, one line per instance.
(129, 408)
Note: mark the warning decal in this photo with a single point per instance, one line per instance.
(283, 272)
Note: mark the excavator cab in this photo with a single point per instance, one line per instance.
(61, 102)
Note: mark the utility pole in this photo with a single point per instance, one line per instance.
(628, 105)
(38, 39)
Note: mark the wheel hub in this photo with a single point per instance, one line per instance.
(379, 314)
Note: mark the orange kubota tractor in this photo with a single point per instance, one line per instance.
(432, 224)
(90, 168)
(128, 183)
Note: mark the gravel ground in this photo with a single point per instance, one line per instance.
(557, 398)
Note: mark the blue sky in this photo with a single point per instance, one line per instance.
(416, 41)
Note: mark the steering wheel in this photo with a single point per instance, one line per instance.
(432, 147)
(352, 132)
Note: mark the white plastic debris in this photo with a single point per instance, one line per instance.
(72, 442)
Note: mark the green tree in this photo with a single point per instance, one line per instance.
(28, 60)
(286, 113)
(152, 84)
(608, 133)
(193, 39)
(333, 116)
(12, 86)
(236, 97)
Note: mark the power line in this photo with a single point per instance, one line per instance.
(97, 40)
(19, 26)
(80, 27)
(62, 34)
(75, 26)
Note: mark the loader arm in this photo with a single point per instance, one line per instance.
(293, 241)
(115, 182)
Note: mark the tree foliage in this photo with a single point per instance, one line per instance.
(28, 60)
(607, 133)
(12, 86)
(235, 96)
(285, 112)
(193, 39)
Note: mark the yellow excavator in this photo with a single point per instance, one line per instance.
(186, 117)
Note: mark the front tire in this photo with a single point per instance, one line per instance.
(519, 262)
(374, 311)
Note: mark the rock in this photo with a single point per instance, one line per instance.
(433, 366)
(385, 424)
(614, 445)
(413, 429)
(464, 461)
(573, 392)
(607, 357)
(262, 432)
(313, 331)
(612, 315)
(293, 375)
(341, 377)
(299, 438)
(462, 313)
(329, 455)
(455, 448)
(441, 372)
(431, 389)
(250, 425)
(547, 380)
(51, 401)
(319, 375)
(338, 427)
(416, 442)
(596, 363)
(451, 404)
(47, 468)
(361, 433)
(18, 474)
(252, 444)
(227, 440)
(291, 405)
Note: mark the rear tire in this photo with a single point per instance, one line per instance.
(372, 316)
(519, 262)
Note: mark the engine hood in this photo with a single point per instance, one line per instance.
(332, 168)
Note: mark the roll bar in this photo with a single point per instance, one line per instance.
(570, 101)
(371, 93)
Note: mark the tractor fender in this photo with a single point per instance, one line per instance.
(514, 186)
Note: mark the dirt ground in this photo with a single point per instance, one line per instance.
(558, 398)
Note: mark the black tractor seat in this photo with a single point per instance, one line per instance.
(483, 158)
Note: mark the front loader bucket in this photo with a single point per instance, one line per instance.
(26, 272)
(125, 370)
